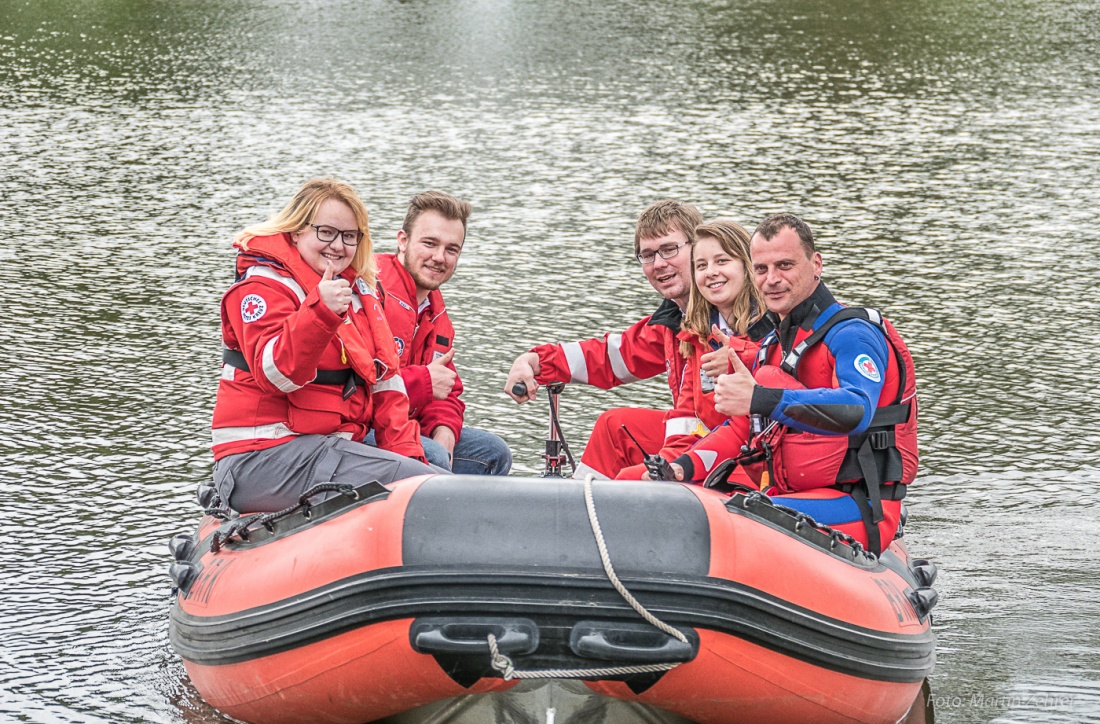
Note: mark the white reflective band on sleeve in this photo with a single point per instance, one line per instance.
(269, 273)
(274, 431)
(272, 372)
(708, 457)
(574, 357)
(685, 426)
(227, 371)
(393, 384)
(583, 470)
(618, 364)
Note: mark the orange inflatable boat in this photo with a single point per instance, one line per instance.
(448, 593)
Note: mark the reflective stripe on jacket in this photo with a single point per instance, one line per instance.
(274, 317)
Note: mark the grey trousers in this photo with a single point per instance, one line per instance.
(273, 479)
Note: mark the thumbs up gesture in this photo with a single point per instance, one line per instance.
(443, 377)
(733, 391)
(335, 293)
(717, 362)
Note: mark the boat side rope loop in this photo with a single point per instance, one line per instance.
(802, 519)
(242, 526)
(501, 663)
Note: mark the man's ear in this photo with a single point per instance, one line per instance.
(402, 243)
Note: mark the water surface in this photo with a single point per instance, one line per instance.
(943, 150)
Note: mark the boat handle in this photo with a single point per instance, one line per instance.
(636, 643)
(434, 635)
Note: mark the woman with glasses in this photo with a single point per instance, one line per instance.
(722, 303)
(310, 365)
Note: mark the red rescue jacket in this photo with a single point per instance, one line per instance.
(420, 338)
(293, 367)
(647, 348)
(694, 415)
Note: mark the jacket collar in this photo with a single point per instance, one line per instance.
(803, 316)
(408, 285)
(668, 315)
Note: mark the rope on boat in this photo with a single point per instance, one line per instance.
(503, 664)
(610, 571)
(500, 662)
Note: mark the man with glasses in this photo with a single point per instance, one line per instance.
(428, 246)
(662, 245)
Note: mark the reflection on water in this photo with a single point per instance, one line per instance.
(944, 151)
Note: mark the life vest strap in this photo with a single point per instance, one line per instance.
(345, 378)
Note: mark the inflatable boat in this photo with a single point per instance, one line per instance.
(456, 598)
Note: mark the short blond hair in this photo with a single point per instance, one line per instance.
(302, 209)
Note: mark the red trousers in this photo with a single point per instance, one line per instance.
(610, 449)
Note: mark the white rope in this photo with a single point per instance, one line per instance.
(610, 571)
(500, 662)
(503, 664)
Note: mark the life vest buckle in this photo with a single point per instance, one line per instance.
(881, 439)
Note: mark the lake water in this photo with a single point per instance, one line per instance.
(945, 152)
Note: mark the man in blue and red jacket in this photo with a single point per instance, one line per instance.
(837, 385)
(428, 247)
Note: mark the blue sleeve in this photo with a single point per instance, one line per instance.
(861, 354)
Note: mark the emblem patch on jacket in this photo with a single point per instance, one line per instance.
(867, 367)
(400, 345)
(253, 307)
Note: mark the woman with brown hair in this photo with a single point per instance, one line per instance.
(723, 303)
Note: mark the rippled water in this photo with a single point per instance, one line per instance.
(944, 151)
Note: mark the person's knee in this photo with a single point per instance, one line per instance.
(436, 454)
(500, 462)
(480, 452)
(610, 422)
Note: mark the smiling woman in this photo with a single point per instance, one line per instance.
(721, 306)
(310, 365)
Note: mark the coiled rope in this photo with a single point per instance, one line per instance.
(501, 663)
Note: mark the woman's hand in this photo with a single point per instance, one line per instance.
(717, 362)
(335, 293)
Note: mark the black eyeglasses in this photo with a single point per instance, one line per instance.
(329, 234)
(665, 251)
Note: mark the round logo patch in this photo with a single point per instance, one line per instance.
(866, 367)
(253, 307)
(400, 345)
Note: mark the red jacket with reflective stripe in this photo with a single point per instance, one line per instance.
(420, 339)
(276, 319)
(646, 349)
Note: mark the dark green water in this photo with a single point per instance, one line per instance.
(946, 153)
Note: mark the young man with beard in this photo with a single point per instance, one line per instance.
(428, 248)
(662, 245)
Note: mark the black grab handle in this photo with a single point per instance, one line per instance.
(519, 389)
(633, 643)
(442, 635)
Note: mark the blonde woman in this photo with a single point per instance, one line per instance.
(723, 302)
(310, 365)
